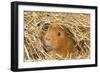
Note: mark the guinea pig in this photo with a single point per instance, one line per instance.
(59, 38)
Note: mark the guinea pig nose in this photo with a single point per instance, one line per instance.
(47, 38)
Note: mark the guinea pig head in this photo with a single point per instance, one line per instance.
(57, 38)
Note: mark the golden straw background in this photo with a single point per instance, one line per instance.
(35, 27)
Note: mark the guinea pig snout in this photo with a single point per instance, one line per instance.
(47, 41)
(47, 38)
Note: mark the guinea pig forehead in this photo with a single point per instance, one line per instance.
(55, 27)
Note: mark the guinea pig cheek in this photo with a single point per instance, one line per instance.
(54, 43)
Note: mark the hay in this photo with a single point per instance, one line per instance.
(35, 26)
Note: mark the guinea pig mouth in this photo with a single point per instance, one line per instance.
(48, 46)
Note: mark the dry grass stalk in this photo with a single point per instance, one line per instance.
(35, 26)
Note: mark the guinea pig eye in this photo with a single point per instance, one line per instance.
(59, 34)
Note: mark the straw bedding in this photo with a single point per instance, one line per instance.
(35, 27)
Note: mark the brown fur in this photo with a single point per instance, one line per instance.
(60, 39)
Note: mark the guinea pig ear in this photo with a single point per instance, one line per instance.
(45, 26)
(67, 30)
